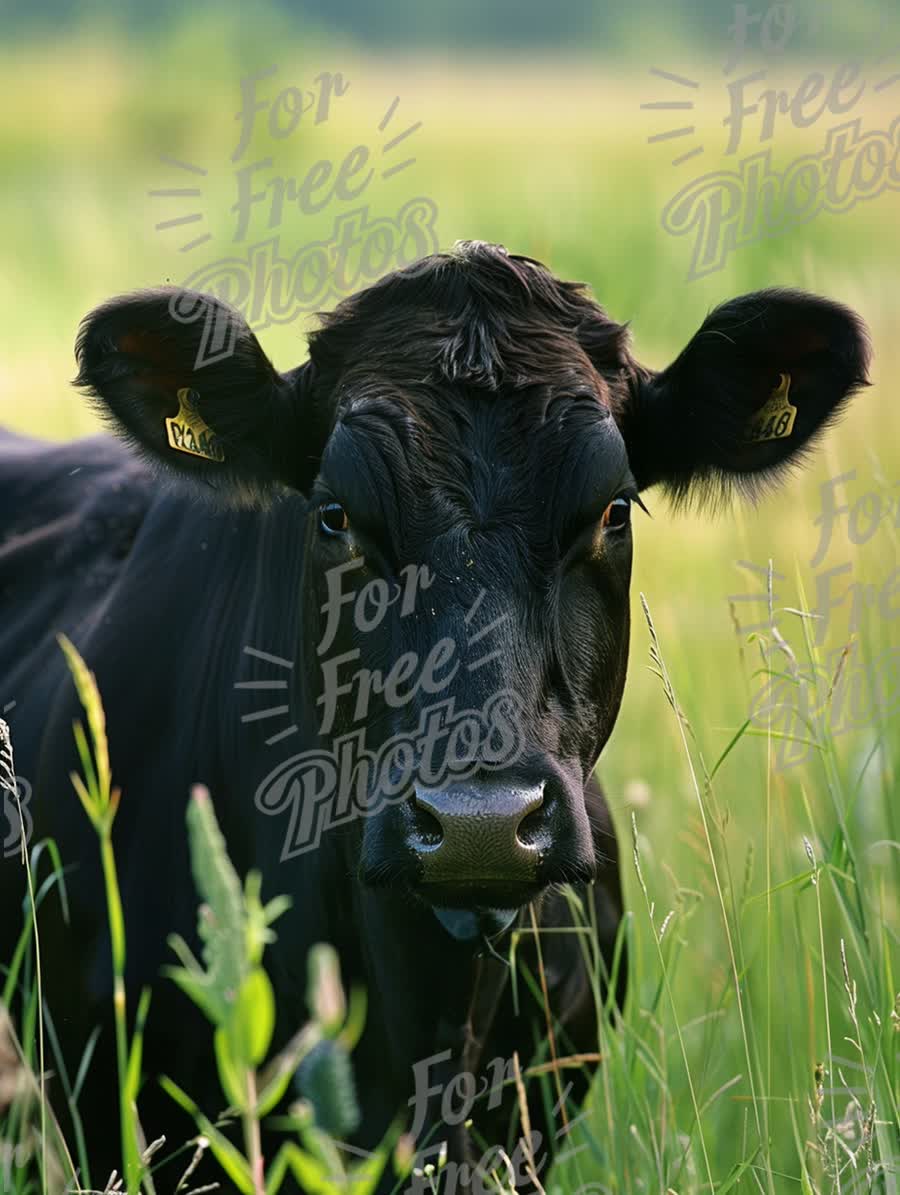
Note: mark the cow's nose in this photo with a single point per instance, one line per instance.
(478, 833)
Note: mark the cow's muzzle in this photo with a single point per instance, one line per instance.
(478, 850)
(479, 836)
(479, 845)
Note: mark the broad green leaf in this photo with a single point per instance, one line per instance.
(222, 921)
(252, 1020)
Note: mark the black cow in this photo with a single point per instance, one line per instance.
(461, 455)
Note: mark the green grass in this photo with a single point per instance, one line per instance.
(764, 903)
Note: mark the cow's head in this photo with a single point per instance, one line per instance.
(472, 436)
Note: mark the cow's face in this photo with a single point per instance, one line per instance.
(473, 437)
(473, 510)
(472, 610)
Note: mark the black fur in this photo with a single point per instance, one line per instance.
(685, 427)
(133, 356)
(473, 415)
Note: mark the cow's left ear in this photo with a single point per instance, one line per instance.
(182, 378)
(765, 374)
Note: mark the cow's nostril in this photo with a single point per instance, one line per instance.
(427, 831)
(532, 826)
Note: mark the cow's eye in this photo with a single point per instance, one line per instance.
(333, 518)
(617, 514)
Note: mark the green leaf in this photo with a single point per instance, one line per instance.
(312, 1176)
(135, 1052)
(738, 735)
(232, 1075)
(193, 987)
(356, 1019)
(229, 1158)
(252, 1020)
(87, 766)
(273, 1081)
(223, 920)
(273, 1092)
(89, 696)
(181, 1097)
(260, 917)
(802, 878)
(277, 906)
(324, 993)
(736, 1172)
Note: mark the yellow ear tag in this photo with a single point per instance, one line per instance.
(775, 419)
(188, 433)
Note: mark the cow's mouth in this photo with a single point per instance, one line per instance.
(479, 908)
(479, 893)
(472, 925)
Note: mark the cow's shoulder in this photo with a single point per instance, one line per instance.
(65, 503)
(69, 515)
(40, 480)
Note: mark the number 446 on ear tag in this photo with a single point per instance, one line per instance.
(187, 432)
(775, 419)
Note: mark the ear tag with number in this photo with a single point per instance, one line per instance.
(188, 433)
(775, 419)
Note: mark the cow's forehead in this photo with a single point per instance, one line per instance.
(491, 353)
(482, 318)
(421, 462)
(469, 384)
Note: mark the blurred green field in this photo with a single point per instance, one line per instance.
(743, 996)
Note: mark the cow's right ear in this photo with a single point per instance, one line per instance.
(181, 376)
(747, 398)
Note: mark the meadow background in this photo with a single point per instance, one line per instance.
(740, 994)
